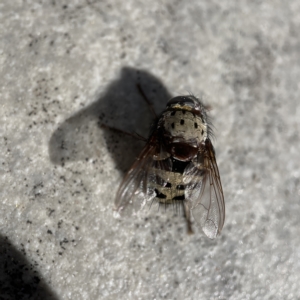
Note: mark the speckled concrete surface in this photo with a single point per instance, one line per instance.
(67, 67)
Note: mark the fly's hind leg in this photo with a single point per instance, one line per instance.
(187, 214)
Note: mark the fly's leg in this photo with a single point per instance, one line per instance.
(135, 135)
(187, 214)
(150, 105)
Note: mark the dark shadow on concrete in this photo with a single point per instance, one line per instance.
(122, 106)
(19, 279)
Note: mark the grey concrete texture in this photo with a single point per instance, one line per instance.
(68, 67)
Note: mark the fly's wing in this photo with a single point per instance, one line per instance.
(204, 192)
(135, 181)
(138, 185)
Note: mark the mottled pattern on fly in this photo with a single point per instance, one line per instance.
(170, 186)
(177, 167)
(185, 123)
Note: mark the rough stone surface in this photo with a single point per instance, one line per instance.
(67, 67)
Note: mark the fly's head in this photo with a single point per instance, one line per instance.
(185, 127)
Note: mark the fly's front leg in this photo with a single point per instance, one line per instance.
(134, 135)
(187, 214)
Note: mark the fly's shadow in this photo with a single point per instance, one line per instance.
(18, 278)
(122, 107)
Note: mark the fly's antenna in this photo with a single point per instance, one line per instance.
(150, 104)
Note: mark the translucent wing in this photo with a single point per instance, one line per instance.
(135, 181)
(204, 192)
(139, 184)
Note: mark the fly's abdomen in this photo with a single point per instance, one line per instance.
(168, 186)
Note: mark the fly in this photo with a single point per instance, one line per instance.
(177, 166)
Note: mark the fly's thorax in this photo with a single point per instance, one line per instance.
(185, 125)
(184, 131)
